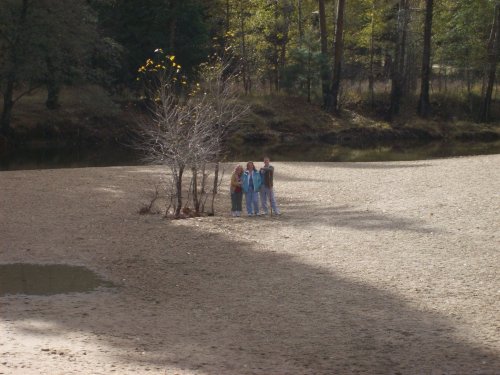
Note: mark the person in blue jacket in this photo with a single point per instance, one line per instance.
(251, 187)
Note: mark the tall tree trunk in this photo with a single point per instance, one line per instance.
(276, 57)
(178, 189)
(493, 46)
(8, 103)
(371, 78)
(309, 73)
(228, 16)
(196, 201)
(276, 76)
(399, 59)
(424, 105)
(470, 101)
(282, 60)
(8, 94)
(324, 54)
(53, 87)
(215, 187)
(244, 68)
(299, 21)
(337, 60)
(203, 192)
(284, 39)
(469, 80)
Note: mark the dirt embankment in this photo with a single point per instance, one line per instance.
(271, 120)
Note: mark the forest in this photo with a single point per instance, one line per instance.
(66, 67)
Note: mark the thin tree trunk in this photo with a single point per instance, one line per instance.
(203, 192)
(371, 78)
(285, 39)
(469, 87)
(244, 70)
(215, 187)
(337, 62)
(178, 188)
(399, 59)
(8, 100)
(299, 21)
(424, 105)
(53, 87)
(53, 90)
(492, 64)
(469, 81)
(196, 201)
(282, 60)
(228, 16)
(276, 78)
(324, 54)
(309, 73)
(445, 80)
(276, 56)
(8, 103)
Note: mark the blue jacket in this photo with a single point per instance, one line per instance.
(257, 181)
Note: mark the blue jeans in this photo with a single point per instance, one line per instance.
(266, 195)
(252, 201)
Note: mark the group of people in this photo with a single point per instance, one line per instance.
(253, 183)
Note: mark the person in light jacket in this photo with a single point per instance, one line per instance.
(251, 187)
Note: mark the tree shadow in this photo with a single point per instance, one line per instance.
(303, 214)
(376, 165)
(227, 307)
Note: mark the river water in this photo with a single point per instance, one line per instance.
(43, 158)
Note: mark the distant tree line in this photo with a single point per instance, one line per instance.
(334, 52)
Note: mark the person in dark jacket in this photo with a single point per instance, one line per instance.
(266, 190)
(236, 191)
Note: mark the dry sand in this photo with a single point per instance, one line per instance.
(373, 268)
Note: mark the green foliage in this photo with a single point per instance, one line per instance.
(368, 21)
(303, 71)
(55, 41)
(461, 32)
(276, 42)
(181, 27)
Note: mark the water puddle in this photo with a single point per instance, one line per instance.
(48, 279)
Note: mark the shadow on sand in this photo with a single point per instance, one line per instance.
(225, 307)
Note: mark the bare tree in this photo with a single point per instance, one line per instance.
(188, 122)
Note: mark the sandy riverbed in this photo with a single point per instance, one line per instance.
(373, 268)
